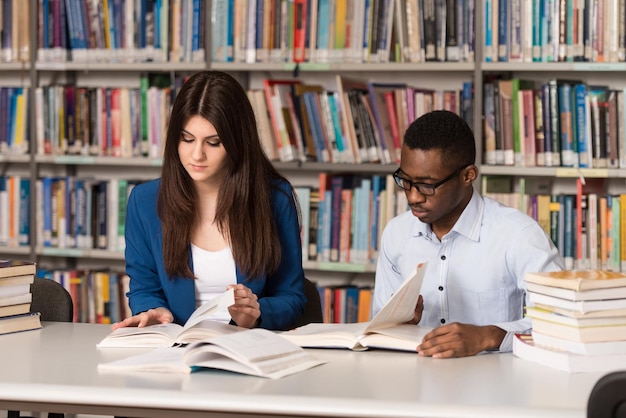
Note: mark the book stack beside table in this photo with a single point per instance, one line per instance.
(16, 297)
(578, 321)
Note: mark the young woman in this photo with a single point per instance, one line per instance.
(220, 216)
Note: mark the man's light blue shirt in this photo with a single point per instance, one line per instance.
(475, 274)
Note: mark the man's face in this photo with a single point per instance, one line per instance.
(443, 208)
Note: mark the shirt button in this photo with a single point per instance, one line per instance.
(440, 288)
(443, 257)
(443, 321)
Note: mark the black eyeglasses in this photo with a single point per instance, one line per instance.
(426, 189)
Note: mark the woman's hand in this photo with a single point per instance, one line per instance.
(149, 317)
(246, 311)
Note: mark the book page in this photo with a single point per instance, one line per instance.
(400, 307)
(206, 329)
(400, 337)
(257, 351)
(163, 335)
(220, 302)
(326, 335)
(162, 360)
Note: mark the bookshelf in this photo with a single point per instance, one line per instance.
(94, 71)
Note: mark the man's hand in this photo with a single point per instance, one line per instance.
(149, 317)
(419, 308)
(460, 340)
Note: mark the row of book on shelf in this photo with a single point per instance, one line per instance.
(16, 278)
(588, 228)
(360, 121)
(98, 296)
(105, 121)
(73, 212)
(578, 321)
(328, 31)
(557, 123)
(122, 31)
(342, 217)
(551, 31)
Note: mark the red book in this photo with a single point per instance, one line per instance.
(390, 102)
(299, 30)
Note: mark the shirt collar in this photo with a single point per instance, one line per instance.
(467, 225)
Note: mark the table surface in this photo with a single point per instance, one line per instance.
(56, 367)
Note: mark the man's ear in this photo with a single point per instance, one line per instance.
(471, 174)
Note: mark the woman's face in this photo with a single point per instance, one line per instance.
(201, 151)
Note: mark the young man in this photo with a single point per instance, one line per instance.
(478, 251)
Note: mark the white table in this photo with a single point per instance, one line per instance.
(54, 369)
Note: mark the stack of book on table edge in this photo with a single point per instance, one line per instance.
(578, 321)
(16, 278)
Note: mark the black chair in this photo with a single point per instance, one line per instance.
(54, 303)
(608, 397)
(313, 308)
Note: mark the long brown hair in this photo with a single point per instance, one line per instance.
(244, 202)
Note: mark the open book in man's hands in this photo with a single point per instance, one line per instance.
(197, 328)
(388, 329)
(256, 352)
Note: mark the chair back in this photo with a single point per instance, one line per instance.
(608, 397)
(313, 308)
(51, 300)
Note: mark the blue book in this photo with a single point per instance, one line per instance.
(503, 30)
(581, 126)
(4, 119)
(378, 185)
(47, 210)
(315, 123)
(14, 92)
(326, 225)
(363, 241)
(352, 304)
(336, 186)
(489, 41)
(158, 9)
(195, 31)
(80, 212)
(24, 215)
(323, 30)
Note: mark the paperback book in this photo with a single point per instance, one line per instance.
(256, 352)
(198, 327)
(388, 329)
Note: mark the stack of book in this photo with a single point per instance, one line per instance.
(578, 321)
(16, 278)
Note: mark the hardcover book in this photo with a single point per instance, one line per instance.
(388, 329)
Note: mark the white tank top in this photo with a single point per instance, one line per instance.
(215, 270)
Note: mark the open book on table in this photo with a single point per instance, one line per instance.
(256, 352)
(388, 329)
(197, 328)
